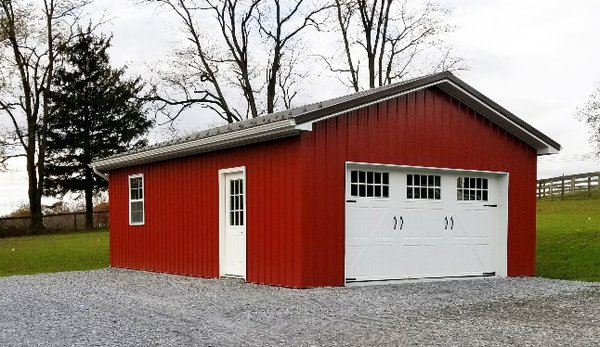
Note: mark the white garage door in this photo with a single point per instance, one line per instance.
(415, 223)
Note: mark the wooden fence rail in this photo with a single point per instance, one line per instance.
(568, 185)
(53, 222)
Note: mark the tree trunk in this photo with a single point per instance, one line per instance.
(89, 203)
(35, 198)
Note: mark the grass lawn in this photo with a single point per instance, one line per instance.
(53, 253)
(568, 239)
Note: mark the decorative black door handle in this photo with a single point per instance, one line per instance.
(446, 225)
(452, 223)
(401, 222)
(395, 222)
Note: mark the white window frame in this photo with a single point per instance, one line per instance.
(138, 175)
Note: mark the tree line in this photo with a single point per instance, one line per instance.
(63, 104)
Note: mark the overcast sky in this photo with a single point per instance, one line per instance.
(538, 59)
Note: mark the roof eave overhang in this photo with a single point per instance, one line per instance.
(457, 89)
(503, 118)
(260, 133)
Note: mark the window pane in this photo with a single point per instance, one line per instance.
(472, 183)
(386, 178)
(133, 182)
(378, 177)
(479, 183)
(485, 183)
(353, 176)
(369, 191)
(378, 191)
(241, 217)
(362, 190)
(231, 218)
(459, 194)
(354, 190)
(409, 193)
(241, 202)
(437, 181)
(437, 194)
(137, 206)
(466, 182)
(479, 195)
(361, 177)
(459, 182)
(386, 191)
(430, 193)
(485, 195)
(416, 193)
(409, 180)
(241, 186)
(430, 181)
(370, 177)
(423, 193)
(416, 180)
(134, 194)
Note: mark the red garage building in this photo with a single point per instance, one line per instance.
(420, 179)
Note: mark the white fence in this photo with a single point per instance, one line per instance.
(568, 185)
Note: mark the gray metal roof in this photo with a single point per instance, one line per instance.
(445, 81)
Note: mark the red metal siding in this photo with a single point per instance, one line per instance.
(426, 128)
(181, 231)
(295, 191)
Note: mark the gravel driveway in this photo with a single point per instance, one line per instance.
(121, 307)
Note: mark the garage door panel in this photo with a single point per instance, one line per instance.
(447, 233)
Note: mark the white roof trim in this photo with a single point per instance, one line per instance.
(546, 149)
(259, 133)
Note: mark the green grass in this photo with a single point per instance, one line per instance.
(568, 239)
(53, 253)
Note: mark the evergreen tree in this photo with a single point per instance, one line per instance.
(95, 112)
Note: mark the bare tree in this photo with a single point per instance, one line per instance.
(29, 36)
(393, 36)
(589, 113)
(248, 55)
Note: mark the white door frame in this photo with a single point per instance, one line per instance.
(501, 242)
(223, 215)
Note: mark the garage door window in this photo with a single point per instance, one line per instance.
(423, 187)
(370, 184)
(471, 189)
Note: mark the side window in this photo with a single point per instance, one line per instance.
(136, 199)
(423, 187)
(370, 184)
(471, 189)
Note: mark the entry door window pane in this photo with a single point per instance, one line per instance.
(236, 202)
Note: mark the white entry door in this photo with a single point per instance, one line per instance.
(414, 223)
(234, 248)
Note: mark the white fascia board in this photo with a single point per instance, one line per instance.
(546, 149)
(229, 139)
